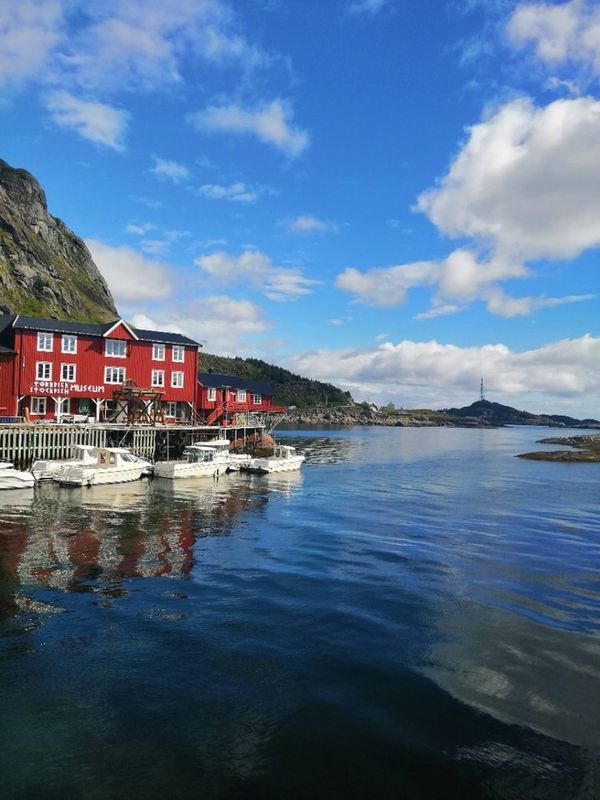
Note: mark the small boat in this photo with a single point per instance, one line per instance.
(201, 460)
(11, 478)
(111, 465)
(81, 455)
(284, 459)
(46, 469)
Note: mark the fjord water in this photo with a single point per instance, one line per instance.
(415, 615)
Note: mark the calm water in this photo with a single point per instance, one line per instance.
(415, 615)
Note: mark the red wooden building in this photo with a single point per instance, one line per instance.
(52, 369)
(228, 400)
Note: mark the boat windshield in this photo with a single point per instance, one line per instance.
(197, 455)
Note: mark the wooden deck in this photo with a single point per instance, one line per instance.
(24, 443)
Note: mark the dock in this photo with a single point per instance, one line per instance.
(23, 443)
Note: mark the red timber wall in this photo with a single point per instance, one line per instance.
(230, 396)
(90, 362)
(8, 398)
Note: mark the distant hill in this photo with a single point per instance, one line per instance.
(498, 414)
(289, 389)
(45, 269)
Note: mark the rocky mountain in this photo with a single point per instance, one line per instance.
(45, 269)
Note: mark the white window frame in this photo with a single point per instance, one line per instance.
(66, 368)
(256, 399)
(211, 395)
(158, 378)
(109, 374)
(158, 351)
(110, 343)
(43, 340)
(175, 378)
(240, 396)
(178, 353)
(42, 367)
(38, 406)
(171, 405)
(69, 343)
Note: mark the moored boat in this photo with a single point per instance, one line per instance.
(200, 460)
(111, 465)
(11, 478)
(46, 469)
(284, 459)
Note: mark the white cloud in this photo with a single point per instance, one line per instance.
(237, 192)
(223, 324)
(129, 275)
(307, 224)
(387, 286)
(29, 31)
(97, 122)
(139, 228)
(171, 170)
(561, 371)
(271, 123)
(526, 181)
(256, 268)
(560, 33)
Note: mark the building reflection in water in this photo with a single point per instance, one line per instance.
(94, 539)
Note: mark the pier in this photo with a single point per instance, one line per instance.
(23, 443)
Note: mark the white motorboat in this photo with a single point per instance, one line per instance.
(11, 478)
(82, 455)
(201, 460)
(46, 469)
(112, 465)
(284, 459)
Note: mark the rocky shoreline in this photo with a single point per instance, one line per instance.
(359, 415)
(584, 448)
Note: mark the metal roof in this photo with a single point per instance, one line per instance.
(213, 380)
(89, 329)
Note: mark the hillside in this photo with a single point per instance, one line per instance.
(498, 414)
(289, 389)
(45, 269)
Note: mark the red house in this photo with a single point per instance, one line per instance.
(228, 400)
(51, 368)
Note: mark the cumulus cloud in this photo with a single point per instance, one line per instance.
(237, 192)
(170, 170)
(98, 122)
(526, 181)
(221, 323)
(560, 34)
(29, 31)
(271, 123)
(129, 275)
(386, 286)
(257, 269)
(307, 224)
(563, 370)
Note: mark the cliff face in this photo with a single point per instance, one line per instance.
(45, 269)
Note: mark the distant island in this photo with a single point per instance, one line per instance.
(583, 448)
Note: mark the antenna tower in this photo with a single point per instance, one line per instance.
(481, 392)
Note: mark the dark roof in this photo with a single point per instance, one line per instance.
(213, 380)
(6, 351)
(91, 329)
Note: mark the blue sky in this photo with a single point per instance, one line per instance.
(398, 196)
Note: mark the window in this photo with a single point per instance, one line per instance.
(177, 380)
(38, 406)
(117, 348)
(43, 371)
(257, 399)
(158, 377)
(45, 342)
(212, 395)
(114, 375)
(158, 353)
(170, 409)
(67, 372)
(178, 353)
(69, 343)
(241, 395)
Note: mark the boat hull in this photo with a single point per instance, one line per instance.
(14, 479)
(181, 469)
(88, 476)
(269, 465)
